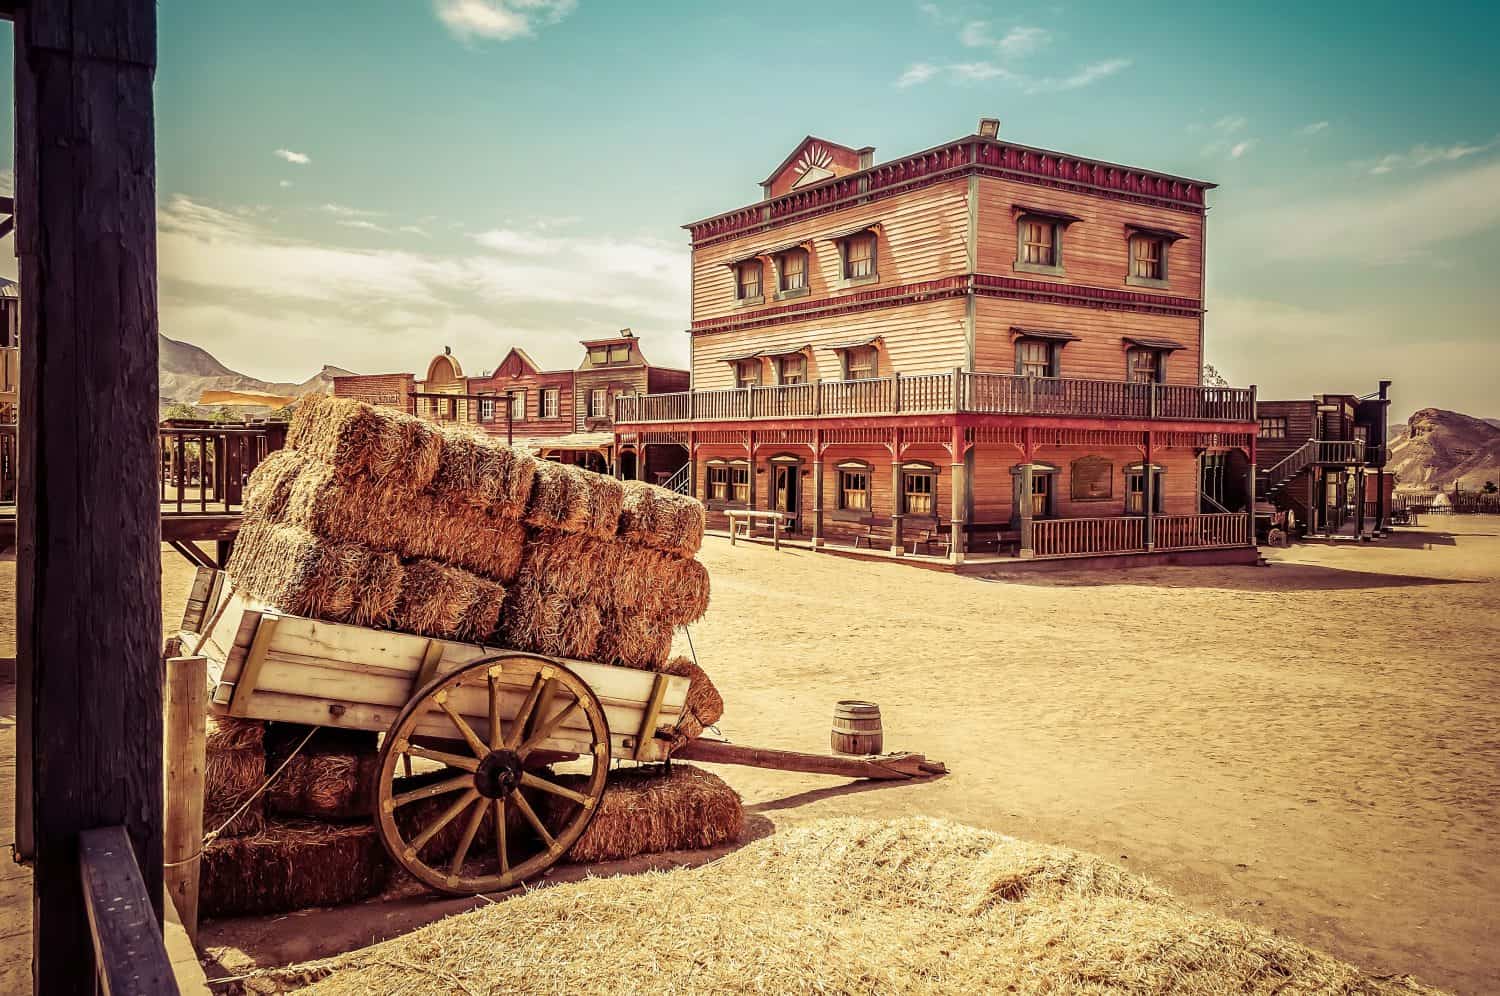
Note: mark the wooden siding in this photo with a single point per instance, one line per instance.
(993, 487)
(388, 390)
(533, 384)
(1095, 249)
(616, 380)
(1099, 352)
(923, 235)
(1301, 425)
(927, 337)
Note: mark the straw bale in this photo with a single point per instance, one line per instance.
(912, 906)
(560, 498)
(270, 484)
(648, 810)
(360, 439)
(290, 568)
(331, 778)
(704, 705)
(635, 641)
(291, 865)
(544, 622)
(484, 474)
(606, 500)
(447, 602)
(616, 577)
(234, 767)
(661, 519)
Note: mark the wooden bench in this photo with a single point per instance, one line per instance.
(937, 534)
(746, 517)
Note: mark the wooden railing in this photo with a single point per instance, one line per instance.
(1127, 534)
(1080, 537)
(203, 469)
(954, 391)
(1310, 453)
(130, 956)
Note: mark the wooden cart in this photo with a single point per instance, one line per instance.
(496, 729)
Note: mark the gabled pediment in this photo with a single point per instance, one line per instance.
(517, 363)
(813, 161)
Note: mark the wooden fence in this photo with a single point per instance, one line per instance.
(1127, 534)
(203, 469)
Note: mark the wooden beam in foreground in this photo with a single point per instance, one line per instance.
(883, 767)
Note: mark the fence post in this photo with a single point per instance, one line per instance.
(896, 392)
(958, 389)
(184, 753)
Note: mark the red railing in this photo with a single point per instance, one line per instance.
(1201, 532)
(1127, 534)
(955, 391)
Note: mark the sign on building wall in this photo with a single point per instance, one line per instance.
(1093, 479)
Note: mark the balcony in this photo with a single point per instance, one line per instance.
(953, 392)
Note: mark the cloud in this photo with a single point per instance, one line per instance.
(415, 230)
(1381, 226)
(344, 211)
(917, 73)
(363, 225)
(295, 158)
(1240, 148)
(1425, 155)
(979, 72)
(284, 184)
(500, 20)
(1314, 127)
(1230, 123)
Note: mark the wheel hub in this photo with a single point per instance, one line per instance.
(498, 774)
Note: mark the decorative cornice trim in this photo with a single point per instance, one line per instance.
(978, 284)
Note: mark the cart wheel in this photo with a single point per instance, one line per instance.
(491, 760)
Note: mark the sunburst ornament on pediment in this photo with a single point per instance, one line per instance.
(813, 165)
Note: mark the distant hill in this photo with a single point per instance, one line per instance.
(1439, 448)
(187, 371)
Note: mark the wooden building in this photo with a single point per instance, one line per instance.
(1325, 460)
(977, 346)
(565, 415)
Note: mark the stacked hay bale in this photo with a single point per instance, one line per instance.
(375, 518)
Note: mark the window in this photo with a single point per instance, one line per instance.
(859, 363)
(729, 483)
(1135, 486)
(1038, 243)
(1041, 495)
(1273, 427)
(859, 256)
(747, 281)
(486, 409)
(854, 489)
(919, 489)
(619, 353)
(1148, 258)
(747, 373)
(792, 369)
(518, 406)
(1033, 358)
(549, 402)
(792, 267)
(596, 403)
(598, 355)
(1144, 366)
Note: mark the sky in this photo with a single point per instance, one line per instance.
(364, 184)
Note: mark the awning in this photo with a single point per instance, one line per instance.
(572, 441)
(1152, 342)
(845, 233)
(1058, 216)
(1052, 335)
(772, 354)
(742, 359)
(1160, 233)
(860, 344)
(771, 251)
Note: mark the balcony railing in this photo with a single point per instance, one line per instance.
(203, 468)
(957, 391)
(1127, 534)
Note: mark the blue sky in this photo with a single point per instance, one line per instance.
(365, 188)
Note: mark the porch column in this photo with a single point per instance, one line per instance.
(750, 447)
(1250, 493)
(817, 517)
(958, 485)
(1148, 493)
(1023, 498)
(692, 464)
(1380, 509)
(1312, 500)
(898, 503)
(1359, 503)
(615, 458)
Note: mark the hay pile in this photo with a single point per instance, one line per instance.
(290, 865)
(234, 767)
(649, 809)
(846, 906)
(332, 778)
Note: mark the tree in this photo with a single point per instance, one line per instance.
(179, 410)
(224, 414)
(1212, 377)
(1490, 488)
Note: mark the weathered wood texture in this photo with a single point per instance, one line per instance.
(129, 955)
(884, 767)
(185, 749)
(89, 558)
(1098, 353)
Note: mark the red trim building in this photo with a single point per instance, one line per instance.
(982, 347)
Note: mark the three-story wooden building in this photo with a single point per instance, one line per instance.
(978, 345)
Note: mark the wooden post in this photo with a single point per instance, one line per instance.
(750, 447)
(959, 489)
(1312, 500)
(817, 469)
(1024, 498)
(88, 570)
(1148, 491)
(1250, 473)
(1359, 503)
(185, 750)
(898, 498)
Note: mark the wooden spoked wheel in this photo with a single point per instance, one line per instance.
(493, 769)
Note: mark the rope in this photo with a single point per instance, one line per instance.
(691, 649)
(213, 834)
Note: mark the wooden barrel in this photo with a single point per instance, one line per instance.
(856, 728)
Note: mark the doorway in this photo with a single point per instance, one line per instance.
(786, 490)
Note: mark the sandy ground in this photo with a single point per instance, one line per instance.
(1313, 746)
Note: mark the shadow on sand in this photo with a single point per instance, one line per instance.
(1271, 577)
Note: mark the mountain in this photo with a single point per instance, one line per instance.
(187, 371)
(1438, 448)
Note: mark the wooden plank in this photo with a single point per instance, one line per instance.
(129, 954)
(431, 658)
(244, 687)
(184, 756)
(88, 564)
(650, 716)
(198, 599)
(885, 767)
